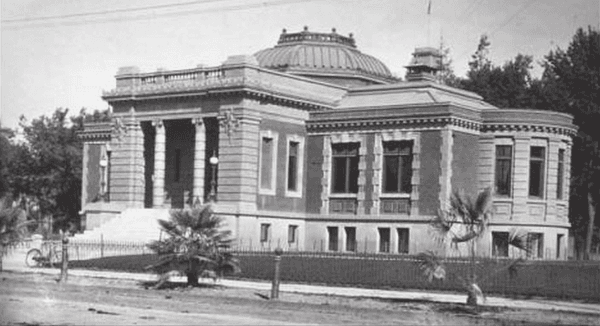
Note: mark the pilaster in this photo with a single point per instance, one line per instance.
(127, 165)
(158, 191)
(238, 158)
(521, 177)
(446, 168)
(199, 157)
(84, 171)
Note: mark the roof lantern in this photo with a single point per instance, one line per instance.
(425, 64)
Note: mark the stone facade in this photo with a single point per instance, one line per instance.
(311, 164)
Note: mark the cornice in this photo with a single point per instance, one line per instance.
(402, 123)
(218, 87)
(96, 132)
(491, 128)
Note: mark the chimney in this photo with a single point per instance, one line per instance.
(426, 62)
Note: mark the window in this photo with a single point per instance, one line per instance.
(384, 239)
(560, 174)
(503, 169)
(264, 232)
(397, 166)
(535, 243)
(350, 238)
(345, 167)
(292, 232)
(403, 235)
(332, 231)
(268, 162)
(292, 182)
(177, 165)
(559, 245)
(500, 244)
(536, 171)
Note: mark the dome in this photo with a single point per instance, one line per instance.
(329, 57)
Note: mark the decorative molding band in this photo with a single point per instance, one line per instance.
(487, 128)
(316, 126)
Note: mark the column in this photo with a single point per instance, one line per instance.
(199, 157)
(158, 191)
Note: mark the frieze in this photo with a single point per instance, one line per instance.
(318, 126)
(489, 128)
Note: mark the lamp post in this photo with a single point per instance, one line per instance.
(103, 165)
(213, 181)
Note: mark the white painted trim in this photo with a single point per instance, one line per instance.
(336, 138)
(299, 168)
(378, 194)
(274, 136)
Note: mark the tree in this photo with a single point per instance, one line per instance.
(571, 83)
(446, 74)
(464, 223)
(194, 244)
(5, 153)
(47, 166)
(13, 222)
(506, 86)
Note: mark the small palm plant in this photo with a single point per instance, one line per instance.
(194, 245)
(464, 222)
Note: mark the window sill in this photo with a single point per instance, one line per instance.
(536, 200)
(293, 194)
(343, 195)
(266, 192)
(394, 195)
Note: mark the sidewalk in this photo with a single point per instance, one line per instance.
(588, 308)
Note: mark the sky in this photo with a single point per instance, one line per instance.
(64, 53)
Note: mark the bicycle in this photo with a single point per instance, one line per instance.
(49, 255)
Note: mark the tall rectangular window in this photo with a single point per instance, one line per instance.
(535, 243)
(560, 175)
(503, 169)
(345, 168)
(350, 238)
(332, 232)
(500, 244)
(384, 239)
(397, 166)
(292, 177)
(264, 232)
(266, 163)
(292, 233)
(403, 237)
(559, 245)
(536, 171)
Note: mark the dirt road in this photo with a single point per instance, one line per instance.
(33, 299)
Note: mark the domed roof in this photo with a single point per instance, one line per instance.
(328, 56)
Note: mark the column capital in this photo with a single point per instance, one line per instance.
(158, 123)
(198, 121)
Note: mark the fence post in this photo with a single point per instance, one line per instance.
(101, 245)
(275, 285)
(65, 257)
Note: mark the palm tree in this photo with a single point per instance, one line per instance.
(195, 244)
(13, 222)
(465, 221)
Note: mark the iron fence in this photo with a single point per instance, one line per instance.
(561, 279)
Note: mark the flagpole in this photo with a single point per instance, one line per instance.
(429, 24)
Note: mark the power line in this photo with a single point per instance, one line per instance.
(505, 22)
(104, 12)
(160, 15)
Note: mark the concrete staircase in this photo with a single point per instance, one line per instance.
(132, 225)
